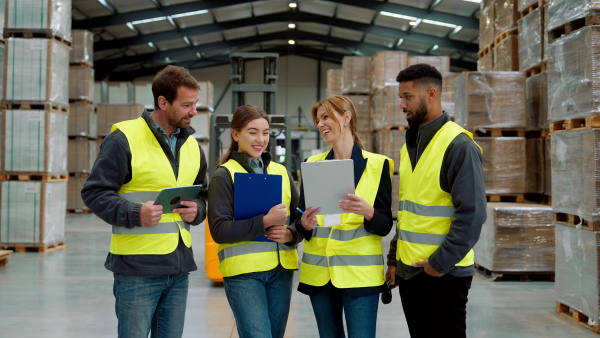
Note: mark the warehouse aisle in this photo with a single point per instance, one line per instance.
(68, 293)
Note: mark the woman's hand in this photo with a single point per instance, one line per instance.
(309, 218)
(277, 215)
(280, 234)
(357, 205)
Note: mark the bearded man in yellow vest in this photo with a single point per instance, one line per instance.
(442, 206)
(151, 248)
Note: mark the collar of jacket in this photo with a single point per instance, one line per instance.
(183, 132)
(423, 134)
(240, 157)
(360, 162)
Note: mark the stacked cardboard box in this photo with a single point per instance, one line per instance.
(385, 66)
(442, 63)
(531, 39)
(516, 237)
(110, 114)
(356, 76)
(34, 124)
(449, 92)
(504, 164)
(334, 82)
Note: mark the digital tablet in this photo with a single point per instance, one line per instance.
(327, 182)
(169, 198)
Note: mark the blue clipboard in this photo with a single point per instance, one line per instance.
(255, 194)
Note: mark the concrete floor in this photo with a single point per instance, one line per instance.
(68, 293)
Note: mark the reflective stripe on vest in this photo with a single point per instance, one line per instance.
(347, 254)
(256, 256)
(152, 172)
(425, 211)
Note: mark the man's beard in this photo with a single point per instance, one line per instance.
(418, 116)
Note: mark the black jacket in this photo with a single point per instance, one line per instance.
(380, 225)
(111, 170)
(462, 177)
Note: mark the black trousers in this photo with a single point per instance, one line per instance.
(435, 306)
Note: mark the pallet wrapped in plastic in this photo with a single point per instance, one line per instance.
(548, 167)
(53, 16)
(83, 47)
(83, 120)
(441, 63)
(366, 137)
(536, 109)
(34, 141)
(205, 94)
(385, 108)
(504, 164)
(389, 142)
(448, 92)
(81, 83)
(74, 200)
(2, 56)
(516, 237)
(362, 105)
(142, 93)
(81, 155)
(575, 157)
(490, 100)
(385, 68)
(334, 82)
(506, 15)
(578, 270)
(119, 92)
(563, 11)
(356, 77)
(486, 26)
(531, 37)
(109, 114)
(524, 4)
(535, 178)
(574, 75)
(506, 54)
(35, 70)
(32, 213)
(486, 62)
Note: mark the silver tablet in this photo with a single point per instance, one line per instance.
(327, 182)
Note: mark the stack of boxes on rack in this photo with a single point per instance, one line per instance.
(83, 128)
(33, 127)
(370, 82)
(504, 108)
(573, 55)
(124, 100)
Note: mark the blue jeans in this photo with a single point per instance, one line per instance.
(360, 312)
(260, 302)
(147, 304)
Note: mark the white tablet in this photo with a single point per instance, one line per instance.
(327, 182)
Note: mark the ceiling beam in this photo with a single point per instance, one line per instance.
(130, 75)
(464, 21)
(123, 18)
(286, 17)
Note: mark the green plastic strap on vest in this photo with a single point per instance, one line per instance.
(160, 228)
(426, 210)
(421, 238)
(245, 249)
(342, 260)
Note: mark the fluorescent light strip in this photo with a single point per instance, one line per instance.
(189, 13)
(439, 23)
(477, 1)
(399, 16)
(160, 18)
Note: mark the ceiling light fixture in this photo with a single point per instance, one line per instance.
(413, 23)
(293, 5)
(151, 44)
(399, 16)
(160, 18)
(434, 48)
(130, 26)
(189, 13)
(291, 25)
(477, 1)
(291, 42)
(439, 23)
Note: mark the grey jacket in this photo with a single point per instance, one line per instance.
(111, 170)
(462, 177)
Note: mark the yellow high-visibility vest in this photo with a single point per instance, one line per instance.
(256, 256)
(346, 253)
(151, 172)
(425, 211)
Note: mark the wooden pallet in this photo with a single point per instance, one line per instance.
(4, 256)
(79, 174)
(532, 8)
(498, 132)
(516, 198)
(504, 35)
(520, 276)
(576, 316)
(572, 26)
(537, 69)
(536, 134)
(538, 198)
(81, 64)
(34, 105)
(79, 211)
(25, 176)
(40, 248)
(574, 124)
(486, 50)
(84, 101)
(34, 33)
(575, 221)
(388, 128)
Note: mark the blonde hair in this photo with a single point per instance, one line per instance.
(337, 105)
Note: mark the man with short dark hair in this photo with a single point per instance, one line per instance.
(151, 248)
(442, 206)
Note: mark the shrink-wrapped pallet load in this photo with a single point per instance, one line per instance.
(385, 109)
(356, 77)
(563, 11)
(448, 92)
(53, 16)
(441, 63)
(535, 179)
(81, 155)
(334, 82)
(536, 109)
(82, 50)
(504, 164)
(83, 120)
(81, 83)
(506, 55)
(109, 114)
(385, 68)
(531, 39)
